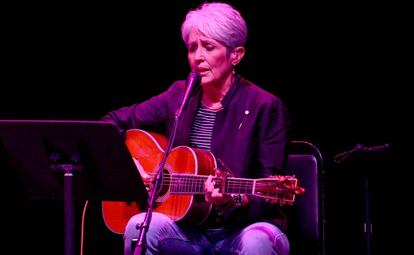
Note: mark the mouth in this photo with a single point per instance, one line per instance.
(203, 71)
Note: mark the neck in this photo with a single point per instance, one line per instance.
(214, 93)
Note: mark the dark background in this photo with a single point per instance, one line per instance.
(338, 67)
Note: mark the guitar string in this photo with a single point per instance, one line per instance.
(201, 179)
(190, 183)
(231, 179)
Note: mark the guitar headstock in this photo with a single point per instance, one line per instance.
(281, 189)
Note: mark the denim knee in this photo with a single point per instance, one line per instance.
(157, 224)
(263, 238)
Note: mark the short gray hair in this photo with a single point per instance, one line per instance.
(219, 21)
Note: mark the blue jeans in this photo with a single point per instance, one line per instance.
(165, 236)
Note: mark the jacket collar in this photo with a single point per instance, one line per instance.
(232, 91)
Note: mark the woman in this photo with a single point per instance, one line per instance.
(240, 123)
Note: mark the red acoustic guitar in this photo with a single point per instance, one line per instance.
(186, 170)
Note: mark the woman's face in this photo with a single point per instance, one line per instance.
(210, 58)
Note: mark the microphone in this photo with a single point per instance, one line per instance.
(375, 148)
(193, 80)
(360, 148)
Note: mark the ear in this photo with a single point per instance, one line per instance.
(237, 55)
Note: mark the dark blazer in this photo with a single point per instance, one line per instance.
(250, 133)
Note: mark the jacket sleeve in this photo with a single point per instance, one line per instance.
(152, 114)
(273, 128)
(272, 136)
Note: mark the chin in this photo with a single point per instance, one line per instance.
(206, 80)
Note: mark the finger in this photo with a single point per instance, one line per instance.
(209, 184)
(216, 193)
(207, 197)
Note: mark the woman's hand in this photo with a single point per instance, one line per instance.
(213, 194)
(148, 180)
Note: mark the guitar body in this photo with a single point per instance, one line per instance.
(148, 149)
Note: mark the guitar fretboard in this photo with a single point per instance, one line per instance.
(194, 184)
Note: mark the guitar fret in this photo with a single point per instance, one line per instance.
(194, 184)
(239, 186)
(187, 184)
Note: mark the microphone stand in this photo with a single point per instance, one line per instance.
(339, 158)
(193, 79)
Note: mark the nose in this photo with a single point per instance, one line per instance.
(199, 54)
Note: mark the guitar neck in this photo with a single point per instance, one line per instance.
(194, 184)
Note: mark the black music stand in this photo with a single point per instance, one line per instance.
(71, 160)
